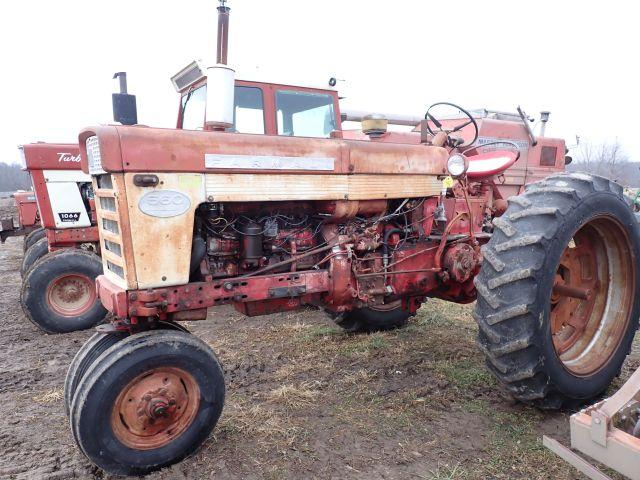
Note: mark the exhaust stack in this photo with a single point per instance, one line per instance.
(544, 118)
(223, 33)
(220, 79)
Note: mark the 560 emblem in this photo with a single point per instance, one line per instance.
(164, 203)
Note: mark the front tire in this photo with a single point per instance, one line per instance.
(34, 253)
(58, 292)
(557, 308)
(371, 319)
(91, 351)
(149, 401)
(32, 238)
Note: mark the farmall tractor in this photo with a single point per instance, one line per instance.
(28, 220)
(366, 229)
(61, 261)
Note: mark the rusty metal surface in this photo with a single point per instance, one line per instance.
(51, 156)
(112, 297)
(143, 149)
(223, 34)
(71, 295)
(155, 408)
(587, 322)
(71, 237)
(27, 206)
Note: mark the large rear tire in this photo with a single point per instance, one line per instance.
(32, 238)
(147, 402)
(557, 308)
(371, 319)
(58, 292)
(34, 253)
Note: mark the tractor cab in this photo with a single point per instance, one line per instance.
(263, 108)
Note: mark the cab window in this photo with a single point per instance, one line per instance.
(305, 114)
(248, 113)
(193, 106)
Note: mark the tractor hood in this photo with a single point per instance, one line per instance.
(144, 149)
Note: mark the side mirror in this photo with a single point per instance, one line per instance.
(567, 160)
(124, 104)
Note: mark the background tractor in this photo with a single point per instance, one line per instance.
(365, 226)
(61, 260)
(28, 220)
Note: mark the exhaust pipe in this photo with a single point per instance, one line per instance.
(220, 79)
(544, 118)
(223, 33)
(124, 106)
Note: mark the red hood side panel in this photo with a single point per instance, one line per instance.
(52, 156)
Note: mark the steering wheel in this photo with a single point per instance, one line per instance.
(438, 124)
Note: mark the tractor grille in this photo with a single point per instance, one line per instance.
(111, 210)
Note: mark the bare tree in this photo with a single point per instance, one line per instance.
(608, 160)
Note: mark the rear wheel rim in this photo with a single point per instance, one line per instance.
(592, 296)
(71, 295)
(155, 407)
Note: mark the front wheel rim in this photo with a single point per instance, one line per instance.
(592, 296)
(71, 295)
(154, 408)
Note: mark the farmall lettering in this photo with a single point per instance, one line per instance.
(65, 157)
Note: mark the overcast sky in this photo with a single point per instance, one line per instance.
(575, 58)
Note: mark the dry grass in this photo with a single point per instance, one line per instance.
(50, 396)
(299, 385)
(294, 396)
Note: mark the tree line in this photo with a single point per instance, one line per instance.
(607, 159)
(13, 178)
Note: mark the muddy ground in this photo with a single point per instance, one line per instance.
(304, 400)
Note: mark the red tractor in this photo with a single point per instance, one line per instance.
(60, 266)
(28, 220)
(366, 229)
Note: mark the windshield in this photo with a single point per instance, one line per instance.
(305, 114)
(248, 113)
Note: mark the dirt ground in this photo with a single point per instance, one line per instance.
(304, 400)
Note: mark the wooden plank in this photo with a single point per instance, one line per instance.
(573, 459)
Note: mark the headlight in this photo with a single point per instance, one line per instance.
(457, 165)
(23, 160)
(93, 156)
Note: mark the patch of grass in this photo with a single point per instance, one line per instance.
(293, 396)
(366, 343)
(446, 472)
(465, 374)
(359, 377)
(514, 443)
(315, 332)
(50, 396)
(439, 313)
(242, 420)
